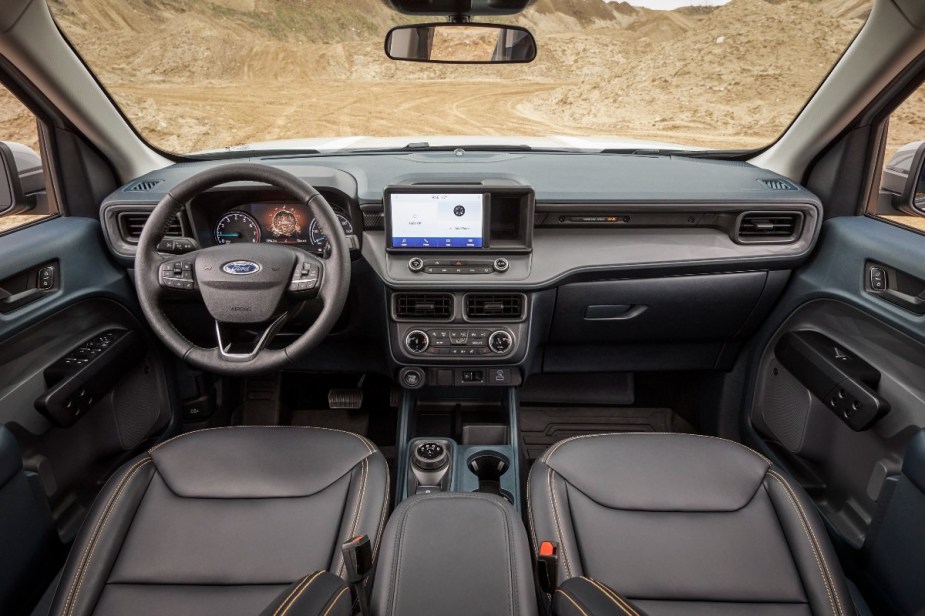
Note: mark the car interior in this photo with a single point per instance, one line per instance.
(456, 376)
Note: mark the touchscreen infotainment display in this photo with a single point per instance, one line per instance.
(437, 220)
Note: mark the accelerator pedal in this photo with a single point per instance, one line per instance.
(347, 399)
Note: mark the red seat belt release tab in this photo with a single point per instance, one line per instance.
(547, 563)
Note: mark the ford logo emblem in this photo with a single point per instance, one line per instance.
(241, 268)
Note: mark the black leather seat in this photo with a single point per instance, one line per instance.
(222, 521)
(684, 524)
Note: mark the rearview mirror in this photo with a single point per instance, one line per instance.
(465, 43)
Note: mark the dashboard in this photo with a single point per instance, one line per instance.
(506, 263)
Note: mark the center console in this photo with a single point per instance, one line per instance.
(478, 234)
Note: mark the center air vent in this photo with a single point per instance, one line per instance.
(132, 223)
(373, 221)
(486, 307)
(429, 306)
(769, 227)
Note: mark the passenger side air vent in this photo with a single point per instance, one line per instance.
(769, 227)
(429, 306)
(144, 185)
(775, 184)
(132, 223)
(484, 307)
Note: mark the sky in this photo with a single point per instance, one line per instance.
(672, 4)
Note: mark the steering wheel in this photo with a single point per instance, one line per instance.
(243, 286)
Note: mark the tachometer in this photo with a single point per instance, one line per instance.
(316, 235)
(235, 227)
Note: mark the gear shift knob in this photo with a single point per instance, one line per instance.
(430, 456)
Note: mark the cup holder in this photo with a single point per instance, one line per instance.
(489, 466)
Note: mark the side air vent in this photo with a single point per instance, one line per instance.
(132, 223)
(144, 185)
(769, 227)
(775, 184)
(428, 306)
(484, 307)
(373, 221)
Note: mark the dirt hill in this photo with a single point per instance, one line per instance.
(198, 74)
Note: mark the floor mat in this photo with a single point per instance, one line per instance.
(349, 421)
(541, 426)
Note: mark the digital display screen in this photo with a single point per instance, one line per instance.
(437, 220)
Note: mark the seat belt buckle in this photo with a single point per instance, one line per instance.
(547, 564)
(358, 560)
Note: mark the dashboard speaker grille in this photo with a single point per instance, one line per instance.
(424, 306)
(494, 306)
(132, 223)
(769, 226)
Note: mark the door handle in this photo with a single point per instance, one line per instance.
(835, 375)
(913, 303)
(614, 312)
(12, 301)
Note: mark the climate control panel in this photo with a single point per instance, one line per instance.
(459, 341)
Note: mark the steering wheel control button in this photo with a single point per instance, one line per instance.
(416, 264)
(180, 245)
(177, 275)
(411, 378)
(501, 265)
(430, 456)
(417, 341)
(500, 342)
(305, 278)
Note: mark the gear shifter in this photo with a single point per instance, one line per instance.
(430, 456)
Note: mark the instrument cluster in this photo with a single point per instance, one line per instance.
(276, 223)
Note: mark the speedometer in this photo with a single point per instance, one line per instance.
(316, 235)
(235, 227)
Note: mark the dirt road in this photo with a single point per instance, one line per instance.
(260, 111)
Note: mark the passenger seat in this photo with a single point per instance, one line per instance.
(682, 524)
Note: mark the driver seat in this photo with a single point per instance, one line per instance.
(221, 521)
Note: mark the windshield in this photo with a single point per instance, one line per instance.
(201, 75)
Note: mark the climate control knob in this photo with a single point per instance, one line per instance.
(417, 341)
(500, 341)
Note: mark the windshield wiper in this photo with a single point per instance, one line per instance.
(230, 154)
(670, 152)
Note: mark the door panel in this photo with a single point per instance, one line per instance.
(64, 341)
(843, 467)
(799, 414)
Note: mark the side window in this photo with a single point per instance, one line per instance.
(901, 198)
(23, 199)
